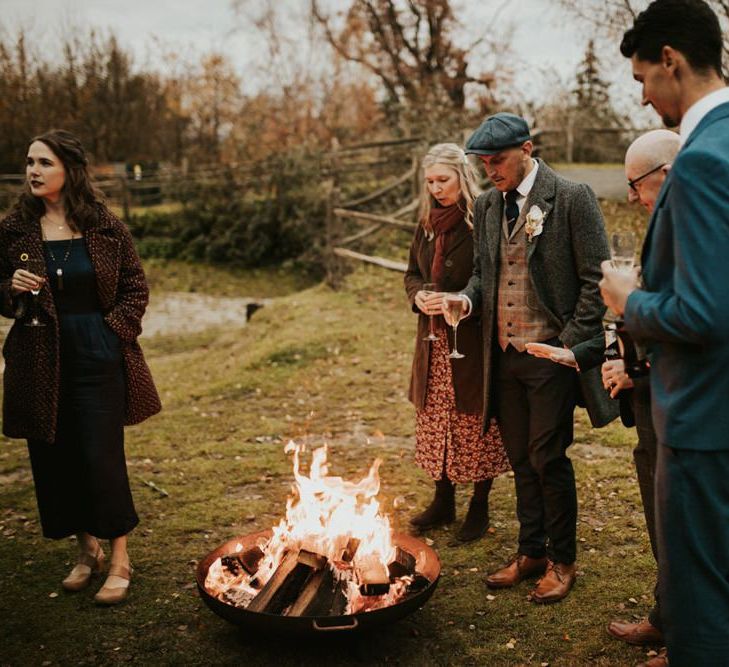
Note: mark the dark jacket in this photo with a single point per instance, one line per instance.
(564, 269)
(467, 372)
(32, 357)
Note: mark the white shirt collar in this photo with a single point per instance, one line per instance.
(698, 110)
(524, 188)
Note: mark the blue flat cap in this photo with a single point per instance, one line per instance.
(498, 132)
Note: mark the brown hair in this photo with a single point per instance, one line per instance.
(80, 197)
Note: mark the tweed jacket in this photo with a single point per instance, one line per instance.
(564, 270)
(32, 356)
(682, 314)
(467, 372)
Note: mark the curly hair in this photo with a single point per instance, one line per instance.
(81, 198)
(689, 26)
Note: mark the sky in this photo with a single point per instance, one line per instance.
(549, 45)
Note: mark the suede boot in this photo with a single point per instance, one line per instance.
(477, 517)
(442, 509)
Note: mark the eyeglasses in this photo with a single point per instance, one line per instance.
(633, 181)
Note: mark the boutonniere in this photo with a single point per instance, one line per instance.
(534, 223)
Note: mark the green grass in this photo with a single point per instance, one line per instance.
(329, 367)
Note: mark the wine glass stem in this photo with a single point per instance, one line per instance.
(455, 338)
(431, 327)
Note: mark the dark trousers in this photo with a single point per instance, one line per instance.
(692, 505)
(645, 455)
(535, 403)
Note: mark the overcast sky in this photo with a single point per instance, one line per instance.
(547, 42)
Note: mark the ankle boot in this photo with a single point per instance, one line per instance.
(477, 517)
(442, 509)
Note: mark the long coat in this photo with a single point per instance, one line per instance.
(467, 372)
(564, 270)
(32, 355)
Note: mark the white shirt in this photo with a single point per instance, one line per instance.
(699, 109)
(524, 188)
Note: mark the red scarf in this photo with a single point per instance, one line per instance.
(442, 221)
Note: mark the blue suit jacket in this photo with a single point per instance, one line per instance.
(683, 312)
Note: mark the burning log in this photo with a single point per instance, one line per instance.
(373, 576)
(402, 565)
(317, 596)
(350, 550)
(283, 588)
(246, 560)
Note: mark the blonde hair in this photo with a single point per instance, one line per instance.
(450, 155)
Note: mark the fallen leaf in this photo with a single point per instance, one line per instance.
(511, 644)
(53, 595)
(472, 627)
(490, 597)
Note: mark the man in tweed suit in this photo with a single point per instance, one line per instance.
(539, 240)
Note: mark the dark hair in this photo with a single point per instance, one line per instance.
(80, 197)
(689, 26)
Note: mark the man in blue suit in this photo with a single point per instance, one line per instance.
(682, 314)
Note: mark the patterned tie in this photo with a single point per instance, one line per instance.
(512, 210)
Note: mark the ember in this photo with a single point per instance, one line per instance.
(331, 555)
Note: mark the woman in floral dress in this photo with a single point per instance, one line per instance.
(447, 393)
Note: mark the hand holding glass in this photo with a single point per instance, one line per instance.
(622, 250)
(454, 308)
(38, 268)
(429, 288)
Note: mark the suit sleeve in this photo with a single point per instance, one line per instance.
(589, 249)
(695, 309)
(473, 288)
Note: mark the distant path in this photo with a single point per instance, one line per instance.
(608, 181)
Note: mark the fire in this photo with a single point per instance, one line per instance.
(329, 517)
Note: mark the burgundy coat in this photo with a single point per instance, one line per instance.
(32, 367)
(467, 372)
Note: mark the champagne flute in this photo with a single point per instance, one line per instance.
(455, 306)
(38, 268)
(428, 288)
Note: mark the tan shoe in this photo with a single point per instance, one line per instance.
(660, 660)
(522, 567)
(555, 584)
(637, 634)
(108, 595)
(87, 566)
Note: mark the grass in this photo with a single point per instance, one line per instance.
(329, 367)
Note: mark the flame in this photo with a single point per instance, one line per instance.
(322, 514)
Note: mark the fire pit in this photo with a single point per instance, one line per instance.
(332, 563)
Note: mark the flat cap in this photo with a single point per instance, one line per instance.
(498, 132)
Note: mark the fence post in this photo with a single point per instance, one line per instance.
(417, 180)
(570, 138)
(333, 264)
(125, 197)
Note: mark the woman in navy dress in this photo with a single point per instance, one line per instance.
(75, 374)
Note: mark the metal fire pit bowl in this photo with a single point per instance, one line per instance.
(310, 625)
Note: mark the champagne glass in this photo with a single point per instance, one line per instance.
(38, 268)
(428, 288)
(622, 250)
(455, 306)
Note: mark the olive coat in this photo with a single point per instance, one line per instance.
(32, 355)
(467, 372)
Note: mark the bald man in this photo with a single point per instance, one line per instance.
(647, 163)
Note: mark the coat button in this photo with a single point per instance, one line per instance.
(511, 262)
(449, 262)
(510, 335)
(509, 304)
(508, 324)
(511, 282)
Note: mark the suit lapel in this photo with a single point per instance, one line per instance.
(541, 195)
(492, 225)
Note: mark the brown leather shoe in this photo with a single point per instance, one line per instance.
(555, 584)
(660, 660)
(522, 567)
(636, 633)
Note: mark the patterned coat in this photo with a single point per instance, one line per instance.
(564, 270)
(32, 355)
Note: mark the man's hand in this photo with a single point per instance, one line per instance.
(616, 286)
(614, 377)
(560, 355)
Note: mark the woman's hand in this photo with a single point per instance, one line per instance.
(614, 377)
(25, 281)
(429, 303)
(559, 355)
